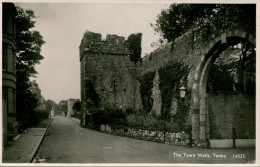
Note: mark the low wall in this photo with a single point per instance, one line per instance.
(177, 139)
(221, 143)
(228, 143)
(105, 128)
(245, 143)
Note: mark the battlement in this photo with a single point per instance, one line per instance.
(115, 39)
(113, 44)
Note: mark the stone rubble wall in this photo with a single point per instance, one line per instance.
(107, 64)
(177, 139)
(70, 105)
(187, 48)
(113, 44)
(104, 60)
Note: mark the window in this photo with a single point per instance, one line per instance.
(14, 28)
(13, 61)
(14, 101)
(4, 57)
(9, 24)
(4, 24)
(5, 93)
(10, 56)
(5, 99)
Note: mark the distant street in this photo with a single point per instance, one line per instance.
(67, 142)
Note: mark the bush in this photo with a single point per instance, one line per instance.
(75, 115)
(40, 115)
(147, 122)
(33, 118)
(107, 116)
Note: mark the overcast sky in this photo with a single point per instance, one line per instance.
(62, 26)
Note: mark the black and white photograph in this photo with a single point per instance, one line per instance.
(138, 83)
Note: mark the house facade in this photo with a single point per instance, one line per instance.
(9, 122)
(70, 105)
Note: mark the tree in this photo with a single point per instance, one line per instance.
(206, 19)
(28, 48)
(50, 104)
(146, 90)
(134, 42)
(29, 42)
(76, 106)
(63, 106)
(246, 55)
(232, 73)
(179, 18)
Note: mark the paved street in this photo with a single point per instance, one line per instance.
(67, 142)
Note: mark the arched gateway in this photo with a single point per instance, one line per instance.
(201, 111)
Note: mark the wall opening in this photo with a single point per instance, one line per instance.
(230, 93)
(224, 89)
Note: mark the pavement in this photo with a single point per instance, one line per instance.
(67, 142)
(25, 147)
(75, 120)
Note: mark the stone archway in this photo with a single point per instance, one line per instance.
(200, 115)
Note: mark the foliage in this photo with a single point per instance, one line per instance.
(39, 116)
(147, 122)
(63, 106)
(28, 48)
(50, 104)
(25, 107)
(179, 18)
(76, 106)
(28, 43)
(129, 111)
(92, 98)
(172, 77)
(146, 90)
(183, 110)
(134, 43)
(107, 116)
(219, 80)
(209, 18)
(233, 73)
(33, 117)
(75, 115)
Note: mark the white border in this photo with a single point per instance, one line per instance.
(257, 162)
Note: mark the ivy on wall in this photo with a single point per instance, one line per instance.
(92, 98)
(182, 116)
(134, 42)
(172, 77)
(146, 90)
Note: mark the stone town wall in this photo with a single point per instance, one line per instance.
(229, 110)
(224, 112)
(70, 105)
(187, 48)
(107, 64)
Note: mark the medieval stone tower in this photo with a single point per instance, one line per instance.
(106, 65)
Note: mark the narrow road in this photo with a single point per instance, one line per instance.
(67, 142)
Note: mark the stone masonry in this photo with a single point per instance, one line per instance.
(198, 54)
(70, 105)
(107, 64)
